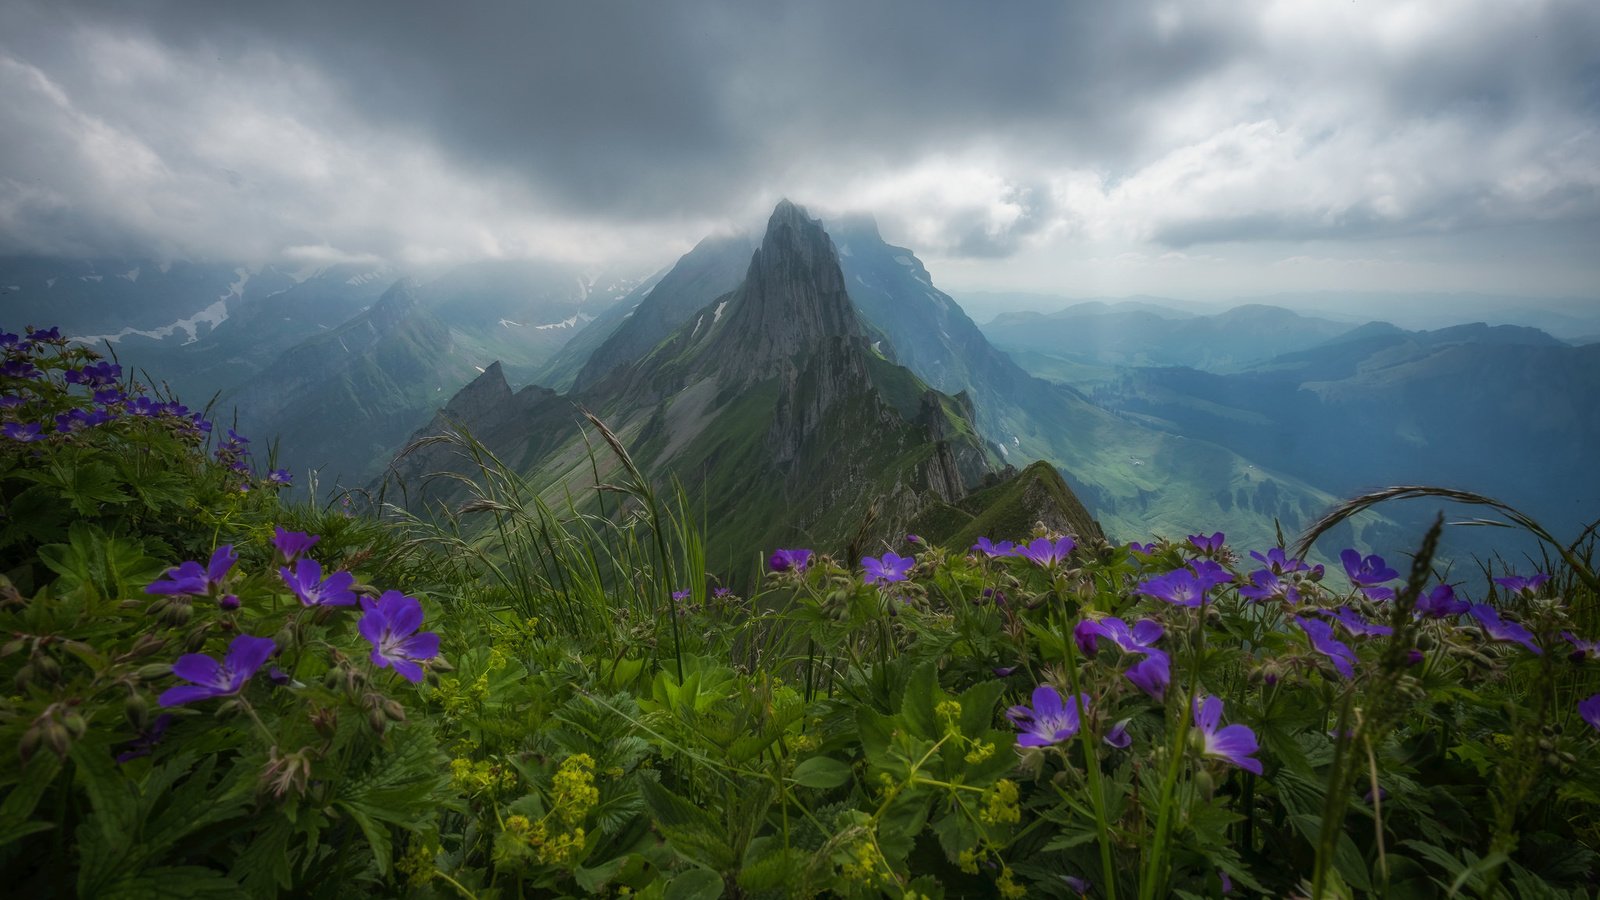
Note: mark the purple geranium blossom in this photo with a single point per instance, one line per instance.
(1118, 736)
(1368, 572)
(1181, 587)
(1265, 584)
(26, 432)
(1079, 886)
(280, 478)
(189, 578)
(97, 374)
(10, 342)
(1500, 630)
(890, 568)
(1355, 624)
(213, 679)
(1137, 639)
(1233, 744)
(1210, 573)
(1146, 549)
(1205, 544)
(1152, 674)
(1045, 552)
(292, 543)
(1323, 641)
(1582, 649)
(109, 396)
(679, 595)
(307, 583)
(18, 368)
(144, 406)
(787, 560)
(390, 625)
(1589, 710)
(1050, 721)
(990, 548)
(1441, 603)
(1517, 584)
(1282, 562)
(147, 738)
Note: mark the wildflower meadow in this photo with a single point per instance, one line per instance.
(214, 692)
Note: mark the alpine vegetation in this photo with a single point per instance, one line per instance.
(212, 691)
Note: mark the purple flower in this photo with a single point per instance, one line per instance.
(1441, 603)
(1207, 545)
(1354, 624)
(1517, 584)
(18, 368)
(188, 578)
(1152, 674)
(1500, 630)
(991, 549)
(680, 595)
(1131, 640)
(722, 592)
(26, 432)
(147, 738)
(1003, 671)
(11, 401)
(1582, 649)
(1323, 641)
(97, 374)
(1079, 886)
(48, 335)
(144, 406)
(213, 679)
(1118, 736)
(1045, 552)
(1265, 584)
(109, 396)
(306, 582)
(390, 625)
(1367, 572)
(1050, 721)
(1282, 563)
(280, 478)
(1233, 744)
(913, 538)
(292, 543)
(228, 602)
(1179, 587)
(10, 342)
(1590, 711)
(1210, 573)
(888, 570)
(1146, 549)
(787, 560)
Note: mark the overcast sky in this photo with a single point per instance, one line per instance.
(1095, 148)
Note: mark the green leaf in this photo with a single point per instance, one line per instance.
(20, 803)
(695, 884)
(822, 772)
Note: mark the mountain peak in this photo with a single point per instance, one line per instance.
(793, 298)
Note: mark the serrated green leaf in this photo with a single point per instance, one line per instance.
(695, 884)
(822, 772)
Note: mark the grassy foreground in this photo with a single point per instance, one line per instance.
(210, 693)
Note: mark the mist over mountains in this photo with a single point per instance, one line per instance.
(795, 375)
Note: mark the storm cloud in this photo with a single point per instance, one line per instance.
(984, 136)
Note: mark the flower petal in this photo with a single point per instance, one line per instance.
(198, 668)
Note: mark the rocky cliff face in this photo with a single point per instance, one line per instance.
(769, 404)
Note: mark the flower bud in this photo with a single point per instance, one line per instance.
(229, 602)
(137, 710)
(11, 646)
(152, 671)
(178, 613)
(29, 744)
(325, 719)
(24, 677)
(76, 724)
(55, 737)
(147, 644)
(196, 639)
(377, 720)
(394, 709)
(46, 668)
(1205, 783)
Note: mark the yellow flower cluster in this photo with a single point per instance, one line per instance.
(949, 712)
(573, 790)
(417, 863)
(1007, 884)
(866, 865)
(981, 750)
(472, 778)
(1000, 804)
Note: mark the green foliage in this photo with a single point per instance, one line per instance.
(583, 731)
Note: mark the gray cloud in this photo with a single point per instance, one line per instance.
(412, 131)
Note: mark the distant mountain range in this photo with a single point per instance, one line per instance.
(790, 380)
